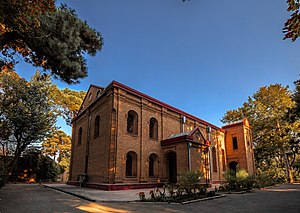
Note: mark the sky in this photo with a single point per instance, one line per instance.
(203, 57)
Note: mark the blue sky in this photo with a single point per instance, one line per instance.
(203, 57)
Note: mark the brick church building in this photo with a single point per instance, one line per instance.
(122, 138)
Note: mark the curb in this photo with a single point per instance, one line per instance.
(182, 203)
(203, 199)
(71, 193)
(240, 192)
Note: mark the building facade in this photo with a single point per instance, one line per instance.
(124, 137)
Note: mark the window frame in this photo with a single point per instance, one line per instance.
(132, 127)
(234, 143)
(79, 139)
(214, 159)
(153, 128)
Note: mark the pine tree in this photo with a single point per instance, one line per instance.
(46, 36)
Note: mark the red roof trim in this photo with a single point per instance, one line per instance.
(147, 97)
(232, 125)
(235, 124)
(177, 139)
(184, 138)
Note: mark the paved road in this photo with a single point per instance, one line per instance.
(33, 198)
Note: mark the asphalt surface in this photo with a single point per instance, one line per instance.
(34, 198)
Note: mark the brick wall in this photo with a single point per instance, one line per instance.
(107, 153)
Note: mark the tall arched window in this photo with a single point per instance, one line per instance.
(131, 164)
(97, 126)
(79, 136)
(214, 159)
(153, 165)
(132, 122)
(153, 129)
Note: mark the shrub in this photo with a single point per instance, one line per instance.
(191, 181)
(141, 195)
(190, 185)
(171, 188)
(239, 181)
(269, 177)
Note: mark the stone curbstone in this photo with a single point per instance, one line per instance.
(203, 199)
(70, 193)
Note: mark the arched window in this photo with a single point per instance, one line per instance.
(97, 126)
(79, 136)
(214, 159)
(234, 143)
(223, 160)
(132, 122)
(233, 167)
(131, 164)
(98, 93)
(153, 129)
(153, 165)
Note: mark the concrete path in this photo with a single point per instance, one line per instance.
(100, 195)
(32, 198)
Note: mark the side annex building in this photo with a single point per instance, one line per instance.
(122, 138)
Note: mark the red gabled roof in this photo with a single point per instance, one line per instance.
(182, 137)
(153, 100)
(160, 103)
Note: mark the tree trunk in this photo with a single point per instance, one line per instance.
(288, 173)
(12, 166)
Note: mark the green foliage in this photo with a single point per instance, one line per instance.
(58, 144)
(26, 110)
(269, 177)
(295, 114)
(46, 36)
(292, 26)
(191, 181)
(67, 102)
(267, 111)
(141, 196)
(63, 38)
(239, 181)
(43, 166)
(157, 195)
(190, 186)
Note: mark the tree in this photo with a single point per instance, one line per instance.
(67, 102)
(46, 36)
(292, 25)
(267, 112)
(41, 165)
(58, 144)
(26, 110)
(297, 99)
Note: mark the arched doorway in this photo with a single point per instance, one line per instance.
(131, 164)
(172, 167)
(233, 166)
(153, 165)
